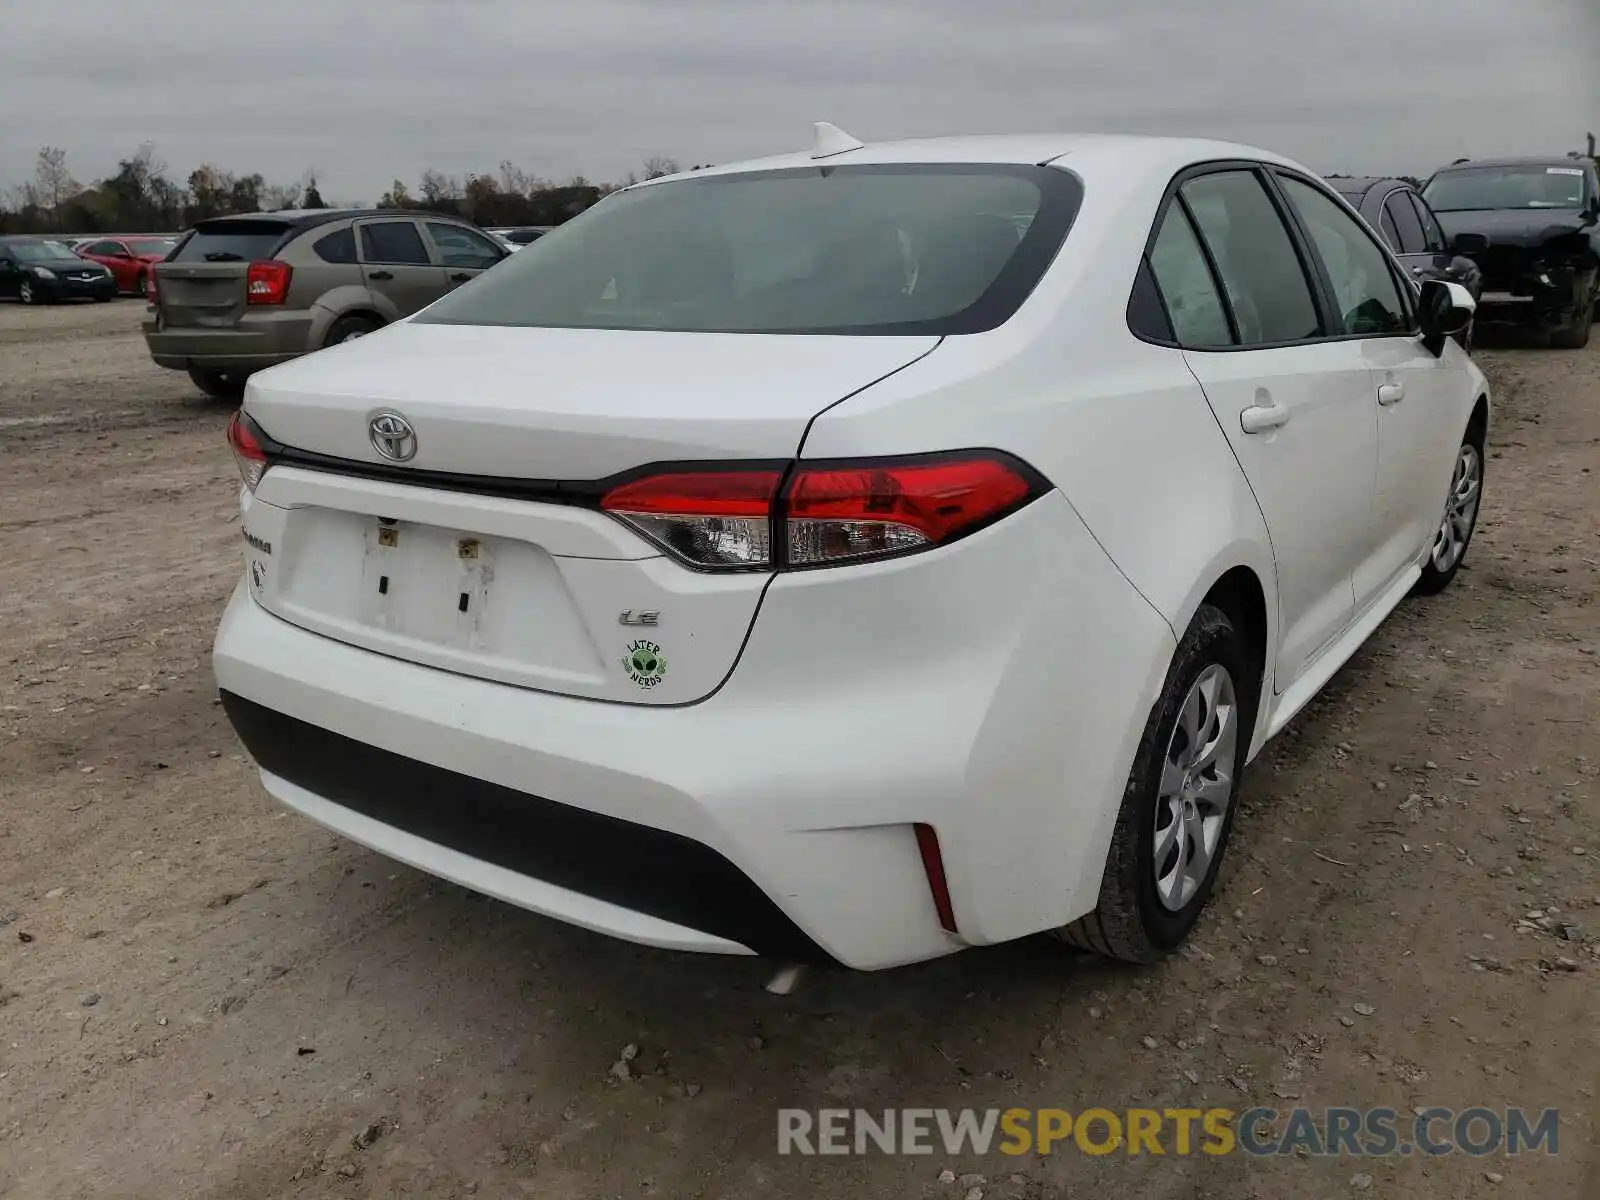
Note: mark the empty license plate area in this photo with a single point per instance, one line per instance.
(449, 597)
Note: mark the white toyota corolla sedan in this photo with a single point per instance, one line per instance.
(856, 555)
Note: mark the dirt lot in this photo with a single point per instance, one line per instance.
(201, 996)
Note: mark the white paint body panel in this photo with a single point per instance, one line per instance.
(995, 689)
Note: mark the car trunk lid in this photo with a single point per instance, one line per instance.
(468, 556)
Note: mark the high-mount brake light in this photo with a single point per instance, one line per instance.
(249, 451)
(737, 518)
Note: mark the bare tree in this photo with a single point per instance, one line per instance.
(658, 165)
(277, 197)
(53, 182)
(436, 186)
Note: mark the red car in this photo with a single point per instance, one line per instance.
(128, 258)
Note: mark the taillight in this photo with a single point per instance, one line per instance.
(249, 450)
(868, 510)
(814, 515)
(707, 518)
(267, 282)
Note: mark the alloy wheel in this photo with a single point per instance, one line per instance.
(1460, 510)
(1196, 787)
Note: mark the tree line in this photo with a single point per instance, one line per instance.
(143, 195)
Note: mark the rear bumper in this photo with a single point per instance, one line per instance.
(260, 340)
(995, 690)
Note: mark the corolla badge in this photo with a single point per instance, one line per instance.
(392, 436)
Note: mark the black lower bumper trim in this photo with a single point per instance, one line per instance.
(637, 867)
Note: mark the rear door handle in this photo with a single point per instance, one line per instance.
(1260, 418)
(380, 274)
(1391, 393)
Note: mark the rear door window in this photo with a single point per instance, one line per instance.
(393, 242)
(232, 241)
(1398, 207)
(1262, 277)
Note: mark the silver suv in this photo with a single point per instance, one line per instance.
(246, 292)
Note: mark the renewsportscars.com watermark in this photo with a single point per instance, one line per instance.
(1354, 1132)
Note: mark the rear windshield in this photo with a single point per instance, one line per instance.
(913, 249)
(232, 241)
(1505, 187)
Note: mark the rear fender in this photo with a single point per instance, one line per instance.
(342, 301)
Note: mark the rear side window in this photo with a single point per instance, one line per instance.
(393, 242)
(1363, 285)
(103, 249)
(231, 241)
(1187, 285)
(1398, 206)
(336, 247)
(1264, 282)
(1387, 227)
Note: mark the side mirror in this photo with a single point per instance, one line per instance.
(1443, 310)
(1469, 243)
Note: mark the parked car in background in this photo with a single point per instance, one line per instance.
(128, 258)
(244, 292)
(1402, 217)
(1533, 227)
(521, 235)
(710, 583)
(44, 271)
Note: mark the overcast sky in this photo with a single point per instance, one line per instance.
(369, 90)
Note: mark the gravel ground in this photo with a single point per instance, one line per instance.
(202, 996)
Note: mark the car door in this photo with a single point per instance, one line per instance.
(117, 259)
(1416, 401)
(1409, 245)
(396, 265)
(1294, 403)
(465, 253)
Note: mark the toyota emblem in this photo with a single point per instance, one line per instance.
(393, 437)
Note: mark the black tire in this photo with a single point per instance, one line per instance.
(1131, 922)
(1436, 578)
(347, 328)
(220, 385)
(1575, 334)
(29, 294)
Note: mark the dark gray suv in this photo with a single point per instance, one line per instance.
(246, 292)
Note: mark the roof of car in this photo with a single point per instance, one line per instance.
(306, 218)
(1073, 149)
(1543, 160)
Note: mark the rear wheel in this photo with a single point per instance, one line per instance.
(222, 385)
(1177, 809)
(347, 329)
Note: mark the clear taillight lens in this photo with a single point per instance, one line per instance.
(712, 519)
(245, 440)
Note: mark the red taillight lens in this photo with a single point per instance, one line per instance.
(248, 452)
(726, 518)
(840, 513)
(267, 282)
(707, 518)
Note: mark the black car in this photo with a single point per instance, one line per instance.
(1402, 217)
(42, 271)
(1533, 227)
